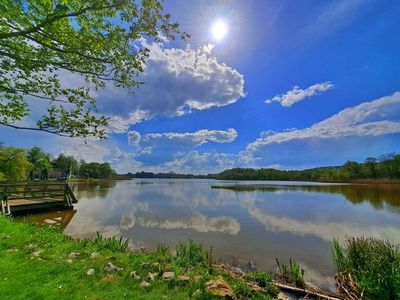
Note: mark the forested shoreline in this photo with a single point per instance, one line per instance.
(17, 164)
(385, 167)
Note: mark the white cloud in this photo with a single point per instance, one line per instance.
(370, 126)
(297, 94)
(201, 163)
(176, 82)
(164, 147)
(198, 222)
(324, 230)
(192, 139)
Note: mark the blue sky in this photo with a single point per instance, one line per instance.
(292, 84)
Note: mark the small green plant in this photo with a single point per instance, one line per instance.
(263, 279)
(242, 290)
(292, 274)
(163, 254)
(373, 264)
(192, 254)
(338, 257)
(113, 243)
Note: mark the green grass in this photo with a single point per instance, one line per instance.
(192, 255)
(292, 273)
(263, 279)
(50, 276)
(374, 265)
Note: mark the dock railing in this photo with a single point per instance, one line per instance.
(35, 193)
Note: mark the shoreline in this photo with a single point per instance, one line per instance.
(45, 247)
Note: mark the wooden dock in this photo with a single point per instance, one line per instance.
(23, 197)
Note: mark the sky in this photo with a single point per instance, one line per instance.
(283, 84)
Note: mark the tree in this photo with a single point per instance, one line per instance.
(351, 170)
(370, 167)
(96, 170)
(67, 165)
(14, 164)
(105, 171)
(40, 40)
(40, 161)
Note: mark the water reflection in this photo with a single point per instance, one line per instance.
(92, 189)
(257, 222)
(378, 195)
(59, 218)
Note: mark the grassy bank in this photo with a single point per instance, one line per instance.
(41, 263)
(368, 269)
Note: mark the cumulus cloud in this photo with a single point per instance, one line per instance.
(192, 139)
(371, 126)
(297, 94)
(198, 222)
(165, 146)
(324, 230)
(202, 163)
(176, 82)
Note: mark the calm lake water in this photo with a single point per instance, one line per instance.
(259, 223)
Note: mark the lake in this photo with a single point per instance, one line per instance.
(259, 222)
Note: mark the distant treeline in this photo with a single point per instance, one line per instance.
(18, 164)
(385, 167)
(165, 175)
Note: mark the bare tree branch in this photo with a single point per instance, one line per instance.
(33, 128)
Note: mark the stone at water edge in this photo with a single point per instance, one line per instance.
(12, 250)
(238, 271)
(94, 255)
(110, 268)
(74, 254)
(90, 272)
(144, 284)
(219, 287)
(197, 293)
(282, 296)
(134, 275)
(50, 221)
(168, 275)
(153, 276)
(35, 254)
(183, 278)
(255, 287)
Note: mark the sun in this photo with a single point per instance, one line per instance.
(219, 30)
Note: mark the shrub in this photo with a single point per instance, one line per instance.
(373, 264)
(292, 274)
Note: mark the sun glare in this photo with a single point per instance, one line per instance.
(219, 29)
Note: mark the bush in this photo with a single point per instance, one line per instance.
(373, 264)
